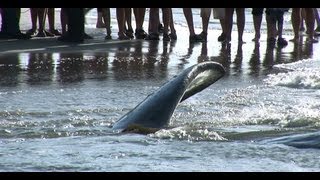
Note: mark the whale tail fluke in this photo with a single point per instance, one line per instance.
(156, 110)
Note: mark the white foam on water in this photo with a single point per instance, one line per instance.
(302, 74)
(188, 133)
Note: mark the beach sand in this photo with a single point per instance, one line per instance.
(182, 48)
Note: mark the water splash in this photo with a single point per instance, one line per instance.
(188, 133)
(303, 74)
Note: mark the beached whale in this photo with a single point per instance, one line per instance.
(304, 140)
(155, 111)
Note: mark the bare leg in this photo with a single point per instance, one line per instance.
(121, 23)
(188, 15)
(64, 20)
(205, 15)
(129, 30)
(296, 18)
(271, 28)
(280, 27)
(192, 37)
(310, 24)
(41, 20)
(281, 41)
(240, 23)
(106, 18)
(100, 23)
(257, 19)
(34, 18)
(303, 17)
(128, 18)
(153, 24)
(139, 14)
(173, 34)
(166, 23)
(166, 19)
(228, 23)
(222, 37)
(316, 14)
(51, 19)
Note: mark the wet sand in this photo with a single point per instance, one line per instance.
(52, 45)
(248, 57)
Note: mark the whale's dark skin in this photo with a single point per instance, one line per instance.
(154, 112)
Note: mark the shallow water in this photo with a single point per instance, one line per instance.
(263, 115)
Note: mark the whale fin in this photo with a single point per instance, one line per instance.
(156, 110)
(207, 74)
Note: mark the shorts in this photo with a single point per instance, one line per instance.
(219, 13)
(257, 11)
(275, 14)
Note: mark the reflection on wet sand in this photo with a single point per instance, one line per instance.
(302, 51)
(224, 57)
(204, 53)
(167, 49)
(40, 68)
(138, 64)
(96, 65)
(121, 63)
(268, 60)
(142, 60)
(255, 61)
(9, 70)
(70, 68)
(237, 68)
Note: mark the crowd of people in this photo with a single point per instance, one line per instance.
(73, 22)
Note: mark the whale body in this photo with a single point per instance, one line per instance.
(155, 111)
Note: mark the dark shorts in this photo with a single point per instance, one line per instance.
(275, 15)
(257, 11)
(99, 9)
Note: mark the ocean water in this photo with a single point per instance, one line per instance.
(57, 108)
